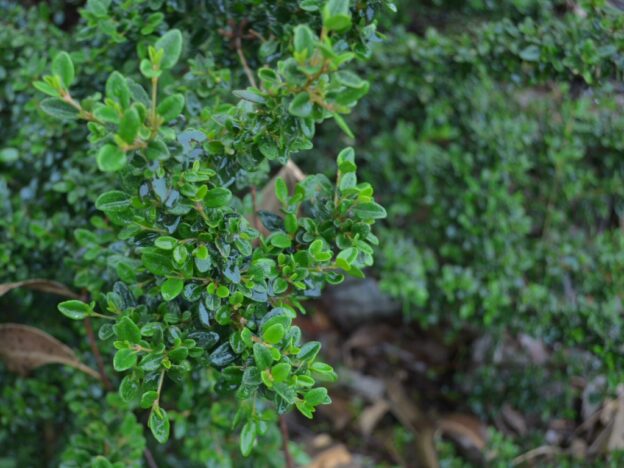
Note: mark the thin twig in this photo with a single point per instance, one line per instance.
(96, 352)
(285, 440)
(239, 50)
(254, 207)
(149, 458)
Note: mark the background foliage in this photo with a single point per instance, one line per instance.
(492, 129)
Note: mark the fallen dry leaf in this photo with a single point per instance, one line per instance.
(371, 416)
(333, 457)
(24, 348)
(367, 386)
(514, 419)
(410, 416)
(544, 451)
(611, 438)
(465, 429)
(339, 412)
(43, 285)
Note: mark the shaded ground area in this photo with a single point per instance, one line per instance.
(406, 397)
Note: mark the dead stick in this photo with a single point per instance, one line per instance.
(285, 439)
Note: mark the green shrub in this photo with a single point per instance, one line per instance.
(142, 201)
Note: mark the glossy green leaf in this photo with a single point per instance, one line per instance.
(369, 210)
(46, 88)
(250, 96)
(127, 330)
(157, 262)
(159, 424)
(280, 371)
(110, 158)
(309, 351)
(217, 197)
(129, 389)
(281, 240)
(112, 201)
(317, 396)
(248, 438)
(124, 359)
(171, 288)
(274, 333)
(166, 242)
(75, 309)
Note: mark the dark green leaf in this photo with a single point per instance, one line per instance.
(156, 262)
(60, 109)
(112, 201)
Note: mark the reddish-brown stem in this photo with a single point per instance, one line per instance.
(96, 353)
(285, 439)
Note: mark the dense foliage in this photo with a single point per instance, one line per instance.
(500, 157)
(144, 203)
(491, 130)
